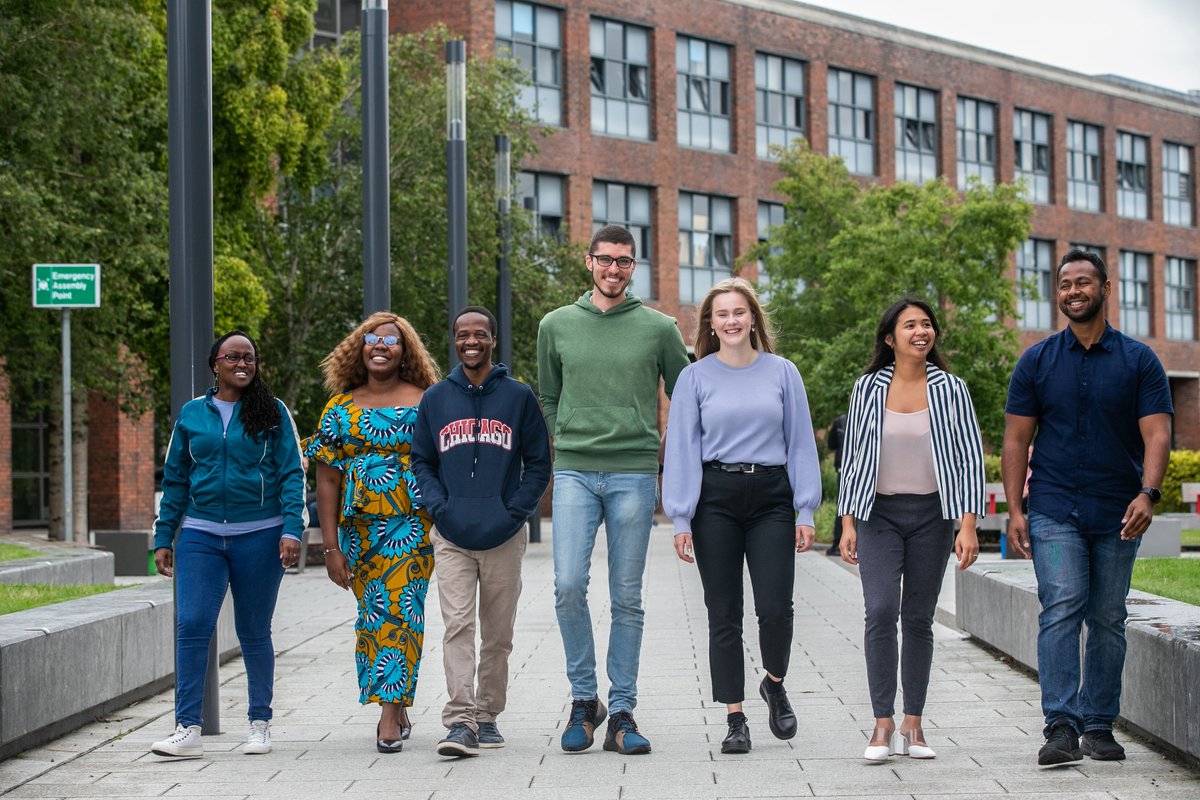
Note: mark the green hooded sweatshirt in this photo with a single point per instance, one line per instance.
(598, 374)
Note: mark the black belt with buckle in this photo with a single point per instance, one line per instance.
(747, 469)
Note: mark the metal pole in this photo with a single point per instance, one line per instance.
(68, 477)
(503, 221)
(456, 181)
(377, 281)
(190, 214)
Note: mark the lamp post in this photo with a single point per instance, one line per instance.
(504, 226)
(456, 181)
(377, 282)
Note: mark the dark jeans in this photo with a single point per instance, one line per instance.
(745, 518)
(205, 566)
(902, 552)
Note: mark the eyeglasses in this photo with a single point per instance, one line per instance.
(623, 262)
(390, 341)
(233, 358)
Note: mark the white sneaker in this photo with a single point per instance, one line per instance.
(184, 743)
(259, 741)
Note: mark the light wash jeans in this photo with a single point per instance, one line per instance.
(625, 503)
(1081, 577)
(205, 566)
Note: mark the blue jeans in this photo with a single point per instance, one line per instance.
(205, 566)
(625, 502)
(1082, 577)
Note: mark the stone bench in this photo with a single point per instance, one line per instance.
(62, 665)
(997, 604)
(63, 566)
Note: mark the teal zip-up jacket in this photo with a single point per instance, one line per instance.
(227, 476)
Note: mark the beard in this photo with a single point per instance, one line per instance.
(1086, 314)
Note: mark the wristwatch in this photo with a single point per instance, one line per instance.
(1155, 494)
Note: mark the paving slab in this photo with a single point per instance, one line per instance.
(982, 715)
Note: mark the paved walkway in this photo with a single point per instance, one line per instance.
(982, 717)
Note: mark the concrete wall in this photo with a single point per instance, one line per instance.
(65, 664)
(998, 604)
(64, 567)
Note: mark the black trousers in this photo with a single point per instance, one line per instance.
(745, 518)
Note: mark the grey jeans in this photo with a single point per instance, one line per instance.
(902, 552)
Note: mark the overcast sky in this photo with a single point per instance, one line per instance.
(1155, 41)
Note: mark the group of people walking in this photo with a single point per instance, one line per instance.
(418, 476)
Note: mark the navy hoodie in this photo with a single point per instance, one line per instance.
(468, 449)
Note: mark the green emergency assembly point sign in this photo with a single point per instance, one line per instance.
(66, 285)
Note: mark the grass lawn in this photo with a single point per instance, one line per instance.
(20, 596)
(1192, 538)
(11, 552)
(1177, 578)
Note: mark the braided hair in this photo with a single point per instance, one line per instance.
(260, 412)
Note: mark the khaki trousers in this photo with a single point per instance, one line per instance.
(494, 577)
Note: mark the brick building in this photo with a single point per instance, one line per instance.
(661, 114)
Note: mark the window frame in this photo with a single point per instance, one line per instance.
(1133, 202)
(530, 98)
(711, 269)
(687, 81)
(1042, 273)
(970, 134)
(764, 128)
(927, 157)
(1178, 207)
(1179, 298)
(554, 229)
(606, 99)
(1090, 183)
(1039, 182)
(836, 140)
(1135, 274)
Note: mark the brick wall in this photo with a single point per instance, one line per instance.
(120, 467)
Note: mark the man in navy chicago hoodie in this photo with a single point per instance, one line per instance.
(475, 431)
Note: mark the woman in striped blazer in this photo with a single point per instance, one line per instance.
(912, 464)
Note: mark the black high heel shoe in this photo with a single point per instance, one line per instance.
(405, 726)
(388, 745)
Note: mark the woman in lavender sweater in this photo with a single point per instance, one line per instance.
(741, 482)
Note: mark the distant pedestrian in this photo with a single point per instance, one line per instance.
(912, 465)
(375, 530)
(741, 481)
(481, 455)
(1100, 404)
(233, 488)
(834, 439)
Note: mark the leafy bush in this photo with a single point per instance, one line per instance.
(1184, 467)
(991, 468)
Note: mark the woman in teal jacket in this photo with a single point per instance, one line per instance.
(233, 488)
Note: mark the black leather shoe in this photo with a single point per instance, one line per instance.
(387, 745)
(738, 739)
(780, 717)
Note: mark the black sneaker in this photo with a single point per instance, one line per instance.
(489, 736)
(781, 719)
(460, 741)
(1101, 746)
(1061, 747)
(623, 736)
(586, 716)
(738, 739)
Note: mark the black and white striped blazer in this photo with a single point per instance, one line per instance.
(957, 447)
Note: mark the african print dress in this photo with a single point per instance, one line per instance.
(384, 532)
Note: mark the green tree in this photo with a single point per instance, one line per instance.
(847, 251)
(239, 300)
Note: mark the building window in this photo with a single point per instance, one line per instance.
(531, 34)
(976, 141)
(1135, 293)
(770, 215)
(629, 207)
(1031, 142)
(705, 244)
(916, 134)
(1133, 190)
(1083, 166)
(702, 94)
(620, 79)
(541, 194)
(333, 19)
(852, 120)
(1181, 299)
(1177, 184)
(779, 92)
(1034, 270)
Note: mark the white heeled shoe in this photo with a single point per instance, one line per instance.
(902, 747)
(877, 753)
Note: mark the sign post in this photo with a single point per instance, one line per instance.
(66, 286)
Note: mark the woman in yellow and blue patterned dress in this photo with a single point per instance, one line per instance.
(375, 531)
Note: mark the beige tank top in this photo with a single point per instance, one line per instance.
(906, 454)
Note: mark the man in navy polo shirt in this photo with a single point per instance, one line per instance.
(1101, 406)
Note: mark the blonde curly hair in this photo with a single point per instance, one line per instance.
(344, 369)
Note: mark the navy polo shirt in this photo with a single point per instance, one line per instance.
(1088, 449)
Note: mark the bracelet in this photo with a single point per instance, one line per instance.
(329, 550)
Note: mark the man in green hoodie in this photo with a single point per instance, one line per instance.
(599, 364)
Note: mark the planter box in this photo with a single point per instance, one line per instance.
(134, 550)
(65, 566)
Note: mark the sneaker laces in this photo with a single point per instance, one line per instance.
(258, 732)
(582, 711)
(624, 720)
(180, 735)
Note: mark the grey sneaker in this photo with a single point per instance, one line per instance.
(460, 741)
(185, 742)
(489, 736)
(258, 743)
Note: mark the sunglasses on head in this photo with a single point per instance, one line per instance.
(390, 341)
